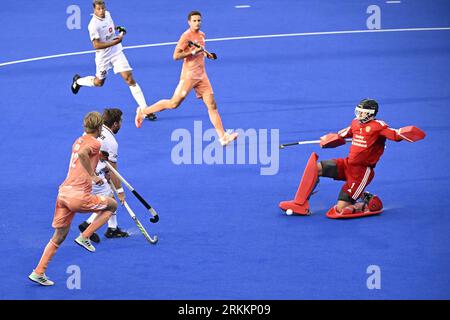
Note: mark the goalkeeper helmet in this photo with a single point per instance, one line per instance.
(366, 110)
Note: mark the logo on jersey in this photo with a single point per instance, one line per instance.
(368, 129)
(110, 29)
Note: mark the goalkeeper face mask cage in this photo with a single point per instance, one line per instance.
(366, 110)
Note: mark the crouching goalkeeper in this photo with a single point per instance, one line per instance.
(357, 170)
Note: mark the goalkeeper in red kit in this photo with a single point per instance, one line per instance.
(368, 137)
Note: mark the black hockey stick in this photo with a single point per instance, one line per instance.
(211, 54)
(136, 194)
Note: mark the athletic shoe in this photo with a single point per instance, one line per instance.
(95, 238)
(228, 137)
(115, 233)
(151, 117)
(139, 117)
(43, 280)
(75, 86)
(85, 243)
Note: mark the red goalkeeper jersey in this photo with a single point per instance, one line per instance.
(368, 141)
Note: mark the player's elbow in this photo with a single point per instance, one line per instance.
(96, 45)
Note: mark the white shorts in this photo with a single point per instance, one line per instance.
(103, 190)
(119, 62)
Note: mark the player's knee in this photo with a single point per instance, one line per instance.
(59, 237)
(212, 106)
(130, 81)
(319, 168)
(99, 82)
(112, 205)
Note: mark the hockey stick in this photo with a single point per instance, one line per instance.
(212, 54)
(136, 194)
(136, 220)
(304, 142)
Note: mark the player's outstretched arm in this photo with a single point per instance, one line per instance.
(408, 133)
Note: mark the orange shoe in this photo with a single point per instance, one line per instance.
(228, 137)
(139, 117)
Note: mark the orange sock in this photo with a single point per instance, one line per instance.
(215, 119)
(47, 256)
(100, 220)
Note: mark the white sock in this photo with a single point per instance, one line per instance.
(112, 222)
(91, 218)
(138, 96)
(86, 81)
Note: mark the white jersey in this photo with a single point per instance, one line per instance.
(110, 145)
(104, 31)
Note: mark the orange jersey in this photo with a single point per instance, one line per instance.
(193, 66)
(78, 181)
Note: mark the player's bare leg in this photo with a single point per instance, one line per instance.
(102, 217)
(161, 105)
(214, 116)
(38, 274)
(136, 91)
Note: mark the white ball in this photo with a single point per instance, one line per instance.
(289, 212)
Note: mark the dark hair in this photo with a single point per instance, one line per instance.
(194, 13)
(110, 116)
(98, 2)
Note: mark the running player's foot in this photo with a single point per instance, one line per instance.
(228, 137)
(75, 86)
(95, 238)
(151, 117)
(42, 279)
(139, 117)
(115, 233)
(85, 243)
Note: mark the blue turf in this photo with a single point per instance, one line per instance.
(221, 233)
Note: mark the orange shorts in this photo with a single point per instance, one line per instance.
(202, 87)
(67, 206)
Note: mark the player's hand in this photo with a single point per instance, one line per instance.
(107, 175)
(119, 38)
(197, 51)
(322, 140)
(121, 197)
(121, 29)
(97, 180)
(211, 55)
(104, 155)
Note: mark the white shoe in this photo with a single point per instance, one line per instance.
(85, 243)
(228, 137)
(43, 280)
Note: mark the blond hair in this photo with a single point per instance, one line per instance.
(92, 122)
